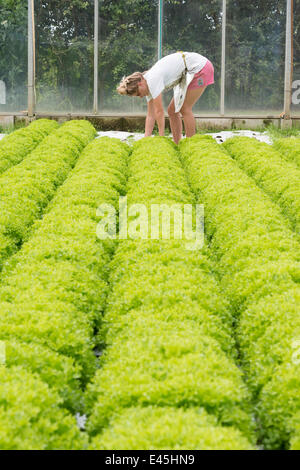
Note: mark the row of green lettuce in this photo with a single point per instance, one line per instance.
(289, 149)
(51, 298)
(27, 188)
(168, 377)
(257, 258)
(275, 176)
(16, 146)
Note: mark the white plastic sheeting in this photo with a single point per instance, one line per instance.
(224, 135)
(124, 136)
(218, 136)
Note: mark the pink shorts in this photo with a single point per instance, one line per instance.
(204, 77)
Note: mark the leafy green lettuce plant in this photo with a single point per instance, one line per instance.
(52, 295)
(275, 176)
(17, 145)
(289, 148)
(54, 289)
(31, 417)
(163, 428)
(166, 326)
(257, 258)
(26, 189)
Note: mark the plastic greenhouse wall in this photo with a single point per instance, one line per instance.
(130, 40)
(295, 108)
(13, 55)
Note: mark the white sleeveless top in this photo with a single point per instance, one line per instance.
(169, 72)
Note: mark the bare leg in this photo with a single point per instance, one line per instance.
(175, 122)
(191, 98)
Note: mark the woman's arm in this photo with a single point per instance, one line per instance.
(159, 114)
(150, 119)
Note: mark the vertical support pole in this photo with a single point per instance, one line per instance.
(96, 55)
(31, 59)
(292, 46)
(292, 40)
(223, 57)
(288, 62)
(160, 28)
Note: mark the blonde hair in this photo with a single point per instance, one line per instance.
(130, 85)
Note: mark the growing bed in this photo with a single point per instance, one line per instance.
(157, 346)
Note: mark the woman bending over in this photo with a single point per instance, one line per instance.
(188, 73)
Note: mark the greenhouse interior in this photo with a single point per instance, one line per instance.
(149, 248)
(67, 58)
